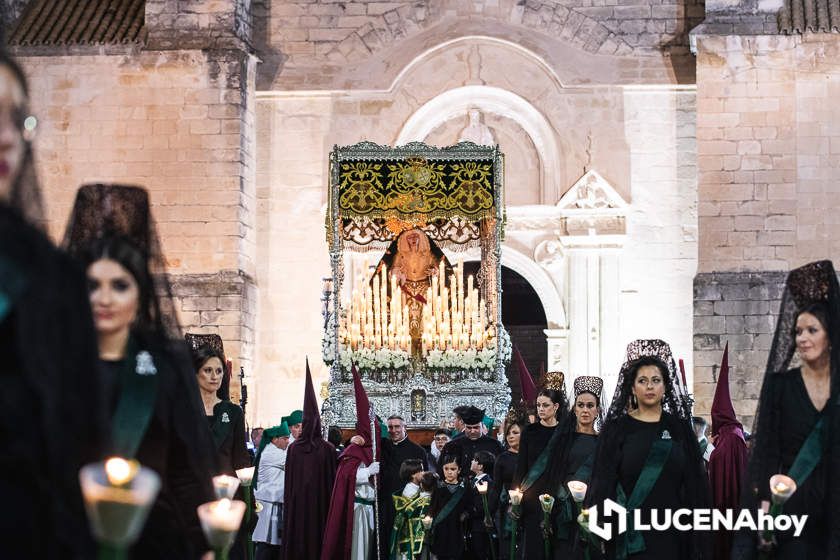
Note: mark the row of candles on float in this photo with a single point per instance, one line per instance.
(454, 316)
(119, 493)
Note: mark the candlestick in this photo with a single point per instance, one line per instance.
(515, 507)
(488, 521)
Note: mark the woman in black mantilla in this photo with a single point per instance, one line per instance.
(51, 424)
(226, 419)
(794, 404)
(533, 468)
(573, 461)
(503, 473)
(648, 458)
(149, 383)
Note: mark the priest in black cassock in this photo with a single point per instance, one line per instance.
(464, 447)
(396, 449)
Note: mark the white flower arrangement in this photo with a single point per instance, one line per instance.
(328, 342)
(367, 359)
(505, 345)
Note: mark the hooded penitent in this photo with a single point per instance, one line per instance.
(339, 531)
(310, 471)
(728, 461)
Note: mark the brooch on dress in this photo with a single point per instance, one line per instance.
(666, 434)
(225, 417)
(145, 364)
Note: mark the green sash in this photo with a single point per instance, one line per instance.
(809, 454)
(136, 404)
(454, 500)
(539, 466)
(221, 428)
(632, 541)
(13, 282)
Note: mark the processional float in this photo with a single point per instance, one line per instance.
(425, 335)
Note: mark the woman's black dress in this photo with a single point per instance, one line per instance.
(582, 450)
(227, 424)
(535, 438)
(503, 473)
(178, 446)
(681, 484)
(51, 422)
(787, 418)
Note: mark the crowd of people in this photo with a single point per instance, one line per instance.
(96, 366)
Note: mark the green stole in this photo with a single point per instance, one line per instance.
(220, 428)
(539, 466)
(136, 403)
(632, 541)
(809, 454)
(13, 282)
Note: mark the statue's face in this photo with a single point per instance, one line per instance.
(413, 239)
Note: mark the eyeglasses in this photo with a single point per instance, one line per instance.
(585, 405)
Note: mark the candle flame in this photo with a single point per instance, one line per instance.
(119, 471)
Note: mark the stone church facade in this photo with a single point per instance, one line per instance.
(666, 162)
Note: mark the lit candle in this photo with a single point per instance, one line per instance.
(481, 487)
(245, 475)
(225, 486)
(515, 496)
(118, 495)
(427, 521)
(220, 521)
(577, 489)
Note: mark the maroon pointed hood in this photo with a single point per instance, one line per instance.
(362, 418)
(311, 428)
(723, 413)
(529, 389)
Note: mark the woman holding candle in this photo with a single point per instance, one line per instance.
(532, 468)
(51, 424)
(503, 473)
(149, 384)
(648, 458)
(791, 427)
(226, 419)
(572, 461)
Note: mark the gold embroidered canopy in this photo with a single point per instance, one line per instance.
(377, 191)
